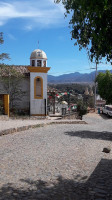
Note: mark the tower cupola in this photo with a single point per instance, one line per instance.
(38, 58)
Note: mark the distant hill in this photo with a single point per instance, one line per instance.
(74, 78)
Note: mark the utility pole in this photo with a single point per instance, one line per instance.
(53, 102)
(95, 88)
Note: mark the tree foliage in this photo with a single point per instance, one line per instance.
(81, 109)
(3, 55)
(91, 24)
(104, 81)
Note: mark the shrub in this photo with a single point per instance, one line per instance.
(81, 109)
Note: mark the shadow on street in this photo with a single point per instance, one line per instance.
(97, 186)
(91, 135)
(104, 116)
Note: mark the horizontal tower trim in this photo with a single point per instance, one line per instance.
(39, 69)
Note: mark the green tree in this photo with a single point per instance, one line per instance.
(3, 55)
(104, 81)
(91, 24)
(81, 108)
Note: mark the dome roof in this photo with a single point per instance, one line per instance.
(38, 54)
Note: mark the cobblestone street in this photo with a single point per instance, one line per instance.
(58, 162)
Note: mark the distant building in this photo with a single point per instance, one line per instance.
(91, 93)
(100, 102)
(86, 91)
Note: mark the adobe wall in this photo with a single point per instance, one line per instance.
(22, 101)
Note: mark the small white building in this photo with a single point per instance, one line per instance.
(38, 83)
(31, 88)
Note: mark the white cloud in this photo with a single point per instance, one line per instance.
(12, 37)
(38, 12)
(28, 27)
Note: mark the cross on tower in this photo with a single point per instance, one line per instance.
(38, 44)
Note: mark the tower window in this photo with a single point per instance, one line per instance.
(44, 63)
(33, 62)
(38, 88)
(39, 63)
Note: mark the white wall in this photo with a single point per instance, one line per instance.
(37, 106)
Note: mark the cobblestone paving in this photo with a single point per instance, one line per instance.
(58, 162)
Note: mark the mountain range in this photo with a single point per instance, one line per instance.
(74, 77)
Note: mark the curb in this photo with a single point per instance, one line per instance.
(24, 128)
(69, 122)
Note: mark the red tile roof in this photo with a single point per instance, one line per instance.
(19, 68)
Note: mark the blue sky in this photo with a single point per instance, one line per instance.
(25, 22)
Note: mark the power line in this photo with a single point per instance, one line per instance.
(68, 72)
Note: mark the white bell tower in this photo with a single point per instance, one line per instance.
(38, 83)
